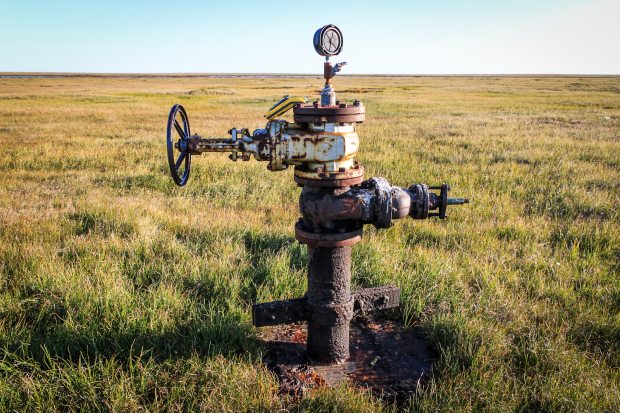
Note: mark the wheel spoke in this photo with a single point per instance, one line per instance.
(179, 129)
(179, 161)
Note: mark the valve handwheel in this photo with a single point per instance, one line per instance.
(178, 124)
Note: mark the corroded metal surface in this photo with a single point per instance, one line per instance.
(329, 297)
(319, 239)
(328, 209)
(298, 310)
(331, 149)
(333, 210)
(332, 179)
(340, 112)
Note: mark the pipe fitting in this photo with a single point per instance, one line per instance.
(374, 201)
(382, 202)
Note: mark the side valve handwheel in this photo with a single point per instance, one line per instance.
(177, 137)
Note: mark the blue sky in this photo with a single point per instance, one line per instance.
(418, 37)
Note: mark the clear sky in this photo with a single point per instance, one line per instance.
(417, 36)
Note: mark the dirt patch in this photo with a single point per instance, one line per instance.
(390, 360)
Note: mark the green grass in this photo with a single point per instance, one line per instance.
(120, 291)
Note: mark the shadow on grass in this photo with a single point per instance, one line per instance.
(600, 338)
(263, 250)
(259, 245)
(223, 335)
(215, 323)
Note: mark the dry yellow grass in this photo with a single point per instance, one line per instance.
(120, 291)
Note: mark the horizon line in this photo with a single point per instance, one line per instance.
(10, 74)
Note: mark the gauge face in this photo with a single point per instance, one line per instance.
(331, 41)
(328, 40)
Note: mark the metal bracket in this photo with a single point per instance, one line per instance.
(298, 310)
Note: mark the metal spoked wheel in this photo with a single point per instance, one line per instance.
(178, 126)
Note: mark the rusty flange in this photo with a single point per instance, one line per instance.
(339, 113)
(339, 179)
(339, 239)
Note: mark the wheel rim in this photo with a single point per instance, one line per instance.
(178, 133)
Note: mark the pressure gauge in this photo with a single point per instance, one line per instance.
(328, 40)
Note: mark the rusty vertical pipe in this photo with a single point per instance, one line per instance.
(330, 301)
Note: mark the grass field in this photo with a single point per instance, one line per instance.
(120, 291)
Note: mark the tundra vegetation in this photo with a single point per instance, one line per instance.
(120, 291)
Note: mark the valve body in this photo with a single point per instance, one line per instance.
(335, 203)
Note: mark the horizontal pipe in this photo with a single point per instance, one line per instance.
(458, 201)
(200, 145)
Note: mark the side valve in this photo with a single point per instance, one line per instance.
(422, 201)
(375, 201)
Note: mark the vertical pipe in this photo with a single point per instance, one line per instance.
(330, 301)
